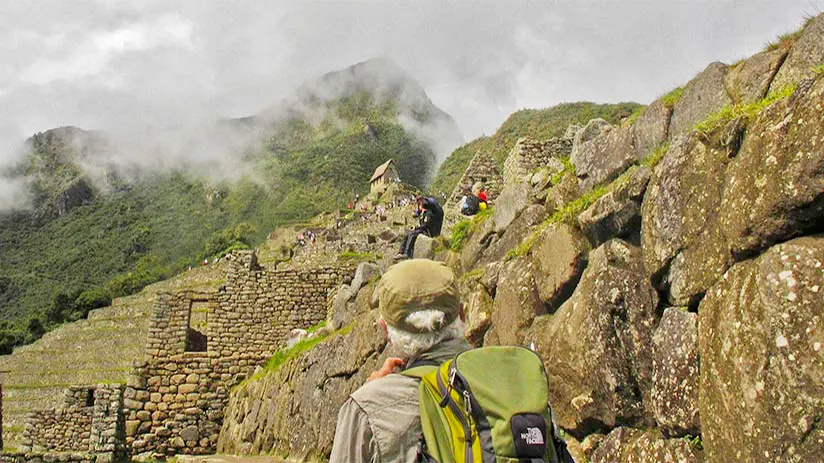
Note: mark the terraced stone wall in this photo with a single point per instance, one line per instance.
(90, 420)
(200, 345)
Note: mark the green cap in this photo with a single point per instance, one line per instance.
(415, 285)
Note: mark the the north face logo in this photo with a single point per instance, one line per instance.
(533, 436)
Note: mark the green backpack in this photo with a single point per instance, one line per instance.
(487, 405)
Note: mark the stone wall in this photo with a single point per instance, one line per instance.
(482, 169)
(62, 429)
(90, 421)
(47, 457)
(1, 417)
(528, 155)
(201, 345)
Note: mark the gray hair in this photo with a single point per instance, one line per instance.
(407, 345)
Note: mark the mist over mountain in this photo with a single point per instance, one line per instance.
(100, 214)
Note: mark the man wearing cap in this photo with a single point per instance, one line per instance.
(423, 319)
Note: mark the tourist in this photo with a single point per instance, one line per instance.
(380, 421)
(430, 214)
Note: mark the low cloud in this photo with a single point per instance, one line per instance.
(156, 74)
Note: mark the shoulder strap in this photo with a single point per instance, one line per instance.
(419, 371)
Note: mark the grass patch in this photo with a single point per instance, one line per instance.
(819, 70)
(472, 275)
(635, 115)
(785, 41)
(353, 256)
(284, 355)
(749, 111)
(464, 228)
(314, 328)
(652, 159)
(568, 168)
(567, 214)
(671, 98)
(12, 428)
(694, 441)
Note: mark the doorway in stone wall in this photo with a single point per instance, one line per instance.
(196, 338)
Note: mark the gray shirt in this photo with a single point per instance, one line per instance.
(380, 422)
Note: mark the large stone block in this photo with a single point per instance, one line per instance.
(760, 339)
(597, 346)
(626, 445)
(559, 257)
(617, 214)
(519, 229)
(806, 53)
(774, 185)
(479, 306)
(512, 201)
(590, 131)
(749, 81)
(603, 158)
(424, 247)
(650, 130)
(681, 201)
(675, 373)
(516, 302)
(703, 95)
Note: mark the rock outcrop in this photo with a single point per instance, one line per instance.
(805, 54)
(703, 95)
(671, 282)
(762, 361)
(596, 347)
(626, 445)
(303, 394)
(675, 373)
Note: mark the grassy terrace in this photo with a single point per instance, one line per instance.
(96, 350)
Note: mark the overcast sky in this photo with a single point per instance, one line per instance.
(110, 64)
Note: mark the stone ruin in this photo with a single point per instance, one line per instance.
(527, 155)
(199, 346)
(482, 168)
(87, 428)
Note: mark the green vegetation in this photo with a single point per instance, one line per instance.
(569, 168)
(472, 275)
(819, 70)
(694, 441)
(57, 263)
(284, 355)
(352, 256)
(317, 327)
(652, 159)
(749, 111)
(466, 227)
(671, 98)
(635, 115)
(540, 124)
(786, 40)
(567, 214)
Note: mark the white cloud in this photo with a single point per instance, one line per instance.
(93, 55)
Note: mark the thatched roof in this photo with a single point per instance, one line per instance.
(380, 170)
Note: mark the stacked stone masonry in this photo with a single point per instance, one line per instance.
(175, 400)
(482, 169)
(89, 424)
(528, 155)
